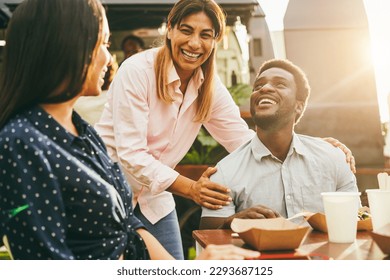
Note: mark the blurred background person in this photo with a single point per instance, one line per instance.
(131, 45)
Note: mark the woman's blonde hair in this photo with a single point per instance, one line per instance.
(182, 9)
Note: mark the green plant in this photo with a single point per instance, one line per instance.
(240, 93)
(205, 150)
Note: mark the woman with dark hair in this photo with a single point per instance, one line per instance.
(61, 197)
(157, 103)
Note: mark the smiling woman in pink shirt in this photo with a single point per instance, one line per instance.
(157, 103)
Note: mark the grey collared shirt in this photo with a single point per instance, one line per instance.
(256, 177)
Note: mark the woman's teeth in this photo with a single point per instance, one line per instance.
(192, 55)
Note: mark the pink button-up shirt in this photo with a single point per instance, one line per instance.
(149, 137)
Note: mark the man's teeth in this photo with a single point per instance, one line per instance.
(266, 101)
(194, 55)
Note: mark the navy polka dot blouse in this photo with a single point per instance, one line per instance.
(61, 197)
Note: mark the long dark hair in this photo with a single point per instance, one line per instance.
(49, 47)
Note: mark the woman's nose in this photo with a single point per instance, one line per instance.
(194, 41)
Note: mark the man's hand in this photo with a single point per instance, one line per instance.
(255, 212)
(348, 153)
(209, 194)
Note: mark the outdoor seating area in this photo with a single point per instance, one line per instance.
(192, 130)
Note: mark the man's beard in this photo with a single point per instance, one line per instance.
(266, 123)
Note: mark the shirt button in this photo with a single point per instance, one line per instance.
(288, 197)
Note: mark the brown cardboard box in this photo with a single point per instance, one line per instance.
(318, 222)
(270, 234)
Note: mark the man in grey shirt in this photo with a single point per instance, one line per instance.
(278, 172)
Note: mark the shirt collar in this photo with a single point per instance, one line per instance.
(259, 150)
(198, 76)
(298, 146)
(45, 123)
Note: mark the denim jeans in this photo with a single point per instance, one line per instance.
(166, 231)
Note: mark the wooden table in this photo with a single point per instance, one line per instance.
(315, 245)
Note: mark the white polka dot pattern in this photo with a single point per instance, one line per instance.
(51, 207)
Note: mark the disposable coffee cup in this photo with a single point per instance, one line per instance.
(341, 212)
(379, 203)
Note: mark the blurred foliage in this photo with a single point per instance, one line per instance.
(204, 150)
(191, 253)
(4, 255)
(240, 93)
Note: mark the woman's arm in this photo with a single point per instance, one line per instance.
(203, 192)
(211, 252)
(156, 250)
(138, 151)
(230, 130)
